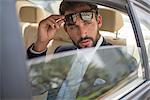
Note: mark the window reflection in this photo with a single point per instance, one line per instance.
(110, 68)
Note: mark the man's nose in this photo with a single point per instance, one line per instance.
(82, 28)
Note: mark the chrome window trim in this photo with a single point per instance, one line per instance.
(139, 37)
(139, 93)
(125, 90)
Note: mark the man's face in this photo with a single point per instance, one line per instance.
(82, 26)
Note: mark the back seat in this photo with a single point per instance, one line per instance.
(30, 16)
(112, 22)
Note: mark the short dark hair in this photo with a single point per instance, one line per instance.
(67, 5)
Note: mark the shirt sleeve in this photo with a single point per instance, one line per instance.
(33, 54)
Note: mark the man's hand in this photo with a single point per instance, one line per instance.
(46, 31)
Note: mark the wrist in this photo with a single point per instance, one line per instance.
(40, 46)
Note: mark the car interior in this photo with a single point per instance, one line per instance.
(120, 71)
(30, 15)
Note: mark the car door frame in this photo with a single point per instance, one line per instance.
(138, 35)
(14, 75)
(143, 90)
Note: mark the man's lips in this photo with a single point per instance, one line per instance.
(85, 42)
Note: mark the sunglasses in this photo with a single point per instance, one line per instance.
(85, 16)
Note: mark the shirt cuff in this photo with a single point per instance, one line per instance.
(35, 52)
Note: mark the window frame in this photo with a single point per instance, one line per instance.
(139, 36)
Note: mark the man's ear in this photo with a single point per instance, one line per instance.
(99, 19)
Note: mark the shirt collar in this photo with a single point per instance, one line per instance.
(100, 41)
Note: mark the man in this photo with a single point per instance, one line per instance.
(81, 22)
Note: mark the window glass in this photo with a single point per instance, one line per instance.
(91, 73)
(109, 69)
(144, 17)
(49, 5)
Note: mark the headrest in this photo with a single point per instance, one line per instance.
(112, 20)
(31, 14)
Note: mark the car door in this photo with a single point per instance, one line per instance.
(14, 79)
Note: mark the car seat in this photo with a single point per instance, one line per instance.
(30, 15)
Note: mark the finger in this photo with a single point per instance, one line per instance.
(50, 23)
(54, 21)
(55, 17)
(60, 22)
(55, 24)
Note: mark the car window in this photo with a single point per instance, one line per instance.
(110, 69)
(143, 17)
(91, 79)
(48, 5)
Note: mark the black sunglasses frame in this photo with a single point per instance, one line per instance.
(69, 19)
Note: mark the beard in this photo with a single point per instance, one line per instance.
(94, 42)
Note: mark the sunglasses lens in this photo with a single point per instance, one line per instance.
(86, 16)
